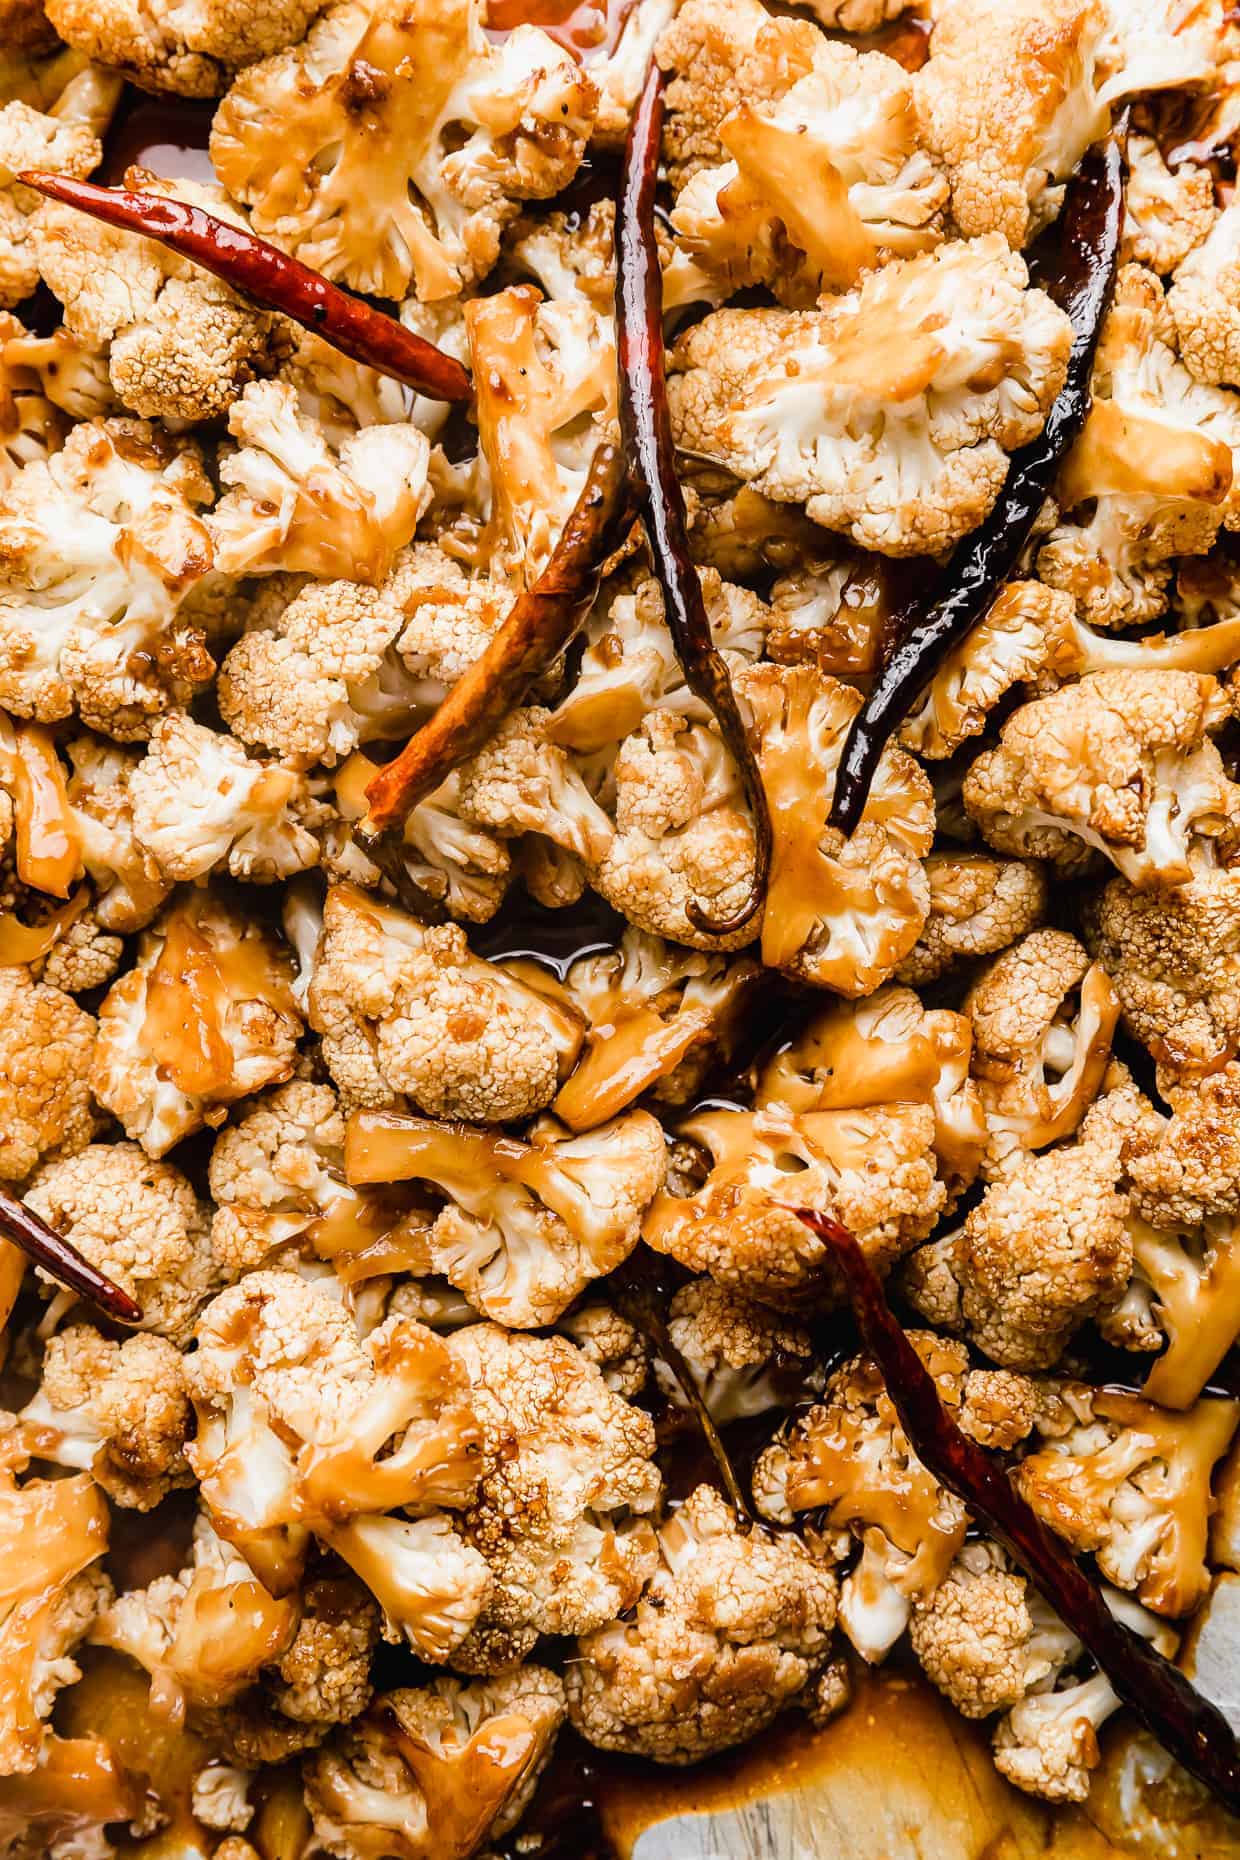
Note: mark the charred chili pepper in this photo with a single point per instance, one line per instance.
(646, 426)
(541, 624)
(269, 278)
(932, 626)
(1187, 1725)
(63, 1262)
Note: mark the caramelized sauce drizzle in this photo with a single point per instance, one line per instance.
(588, 30)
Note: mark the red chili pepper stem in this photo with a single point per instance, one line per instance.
(646, 427)
(1187, 1725)
(931, 625)
(270, 279)
(63, 1262)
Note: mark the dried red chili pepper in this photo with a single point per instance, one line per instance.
(930, 626)
(1187, 1725)
(542, 622)
(646, 426)
(269, 278)
(63, 1262)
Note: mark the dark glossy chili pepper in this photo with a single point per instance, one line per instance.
(269, 278)
(646, 426)
(930, 627)
(1187, 1725)
(542, 622)
(61, 1261)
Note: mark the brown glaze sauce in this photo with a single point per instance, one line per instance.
(166, 136)
(585, 28)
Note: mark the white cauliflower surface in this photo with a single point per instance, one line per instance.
(455, 1170)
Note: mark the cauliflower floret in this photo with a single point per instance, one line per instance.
(1030, 630)
(886, 1050)
(191, 51)
(277, 1180)
(1167, 212)
(1046, 1248)
(874, 1170)
(1203, 302)
(630, 666)
(442, 856)
(1185, 1290)
(546, 396)
(713, 54)
(1122, 761)
(615, 1347)
(117, 1410)
(840, 913)
(71, 376)
(293, 505)
(129, 887)
(660, 1018)
(985, 1637)
(1010, 101)
(31, 426)
(1152, 45)
(567, 1487)
(1152, 473)
(823, 183)
(47, 1045)
(392, 146)
(346, 664)
(437, 1770)
(1130, 1484)
(1043, 1018)
(29, 139)
(205, 1017)
(732, 1625)
(199, 804)
(1174, 962)
(205, 1634)
(830, 611)
(99, 546)
(849, 1456)
(745, 1359)
(294, 1415)
(1191, 1170)
(683, 833)
(324, 1677)
(979, 905)
(82, 957)
(407, 1010)
(523, 782)
(889, 412)
(180, 344)
(1048, 1743)
(529, 1224)
(140, 1222)
(51, 1531)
